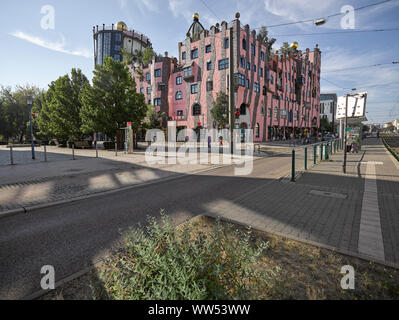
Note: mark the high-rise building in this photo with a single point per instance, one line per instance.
(328, 108)
(109, 41)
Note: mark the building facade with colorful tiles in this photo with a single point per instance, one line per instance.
(276, 95)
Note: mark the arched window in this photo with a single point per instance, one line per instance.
(179, 95)
(196, 110)
(244, 44)
(257, 130)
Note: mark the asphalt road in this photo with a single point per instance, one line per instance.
(72, 236)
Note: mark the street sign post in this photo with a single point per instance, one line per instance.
(348, 107)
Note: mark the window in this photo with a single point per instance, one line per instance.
(196, 110)
(148, 90)
(254, 67)
(157, 73)
(271, 79)
(194, 54)
(224, 64)
(243, 63)
(209, 65)
(257, 130)
(187, 72)
(253, 49)
(248, 84)
(256, 87)
(183, 55)
(275, 114)
(261, 72)
(209, 85)
(117, 57)
(157, 102)
(142, 90)
(208, 48)
(179, 95)
(148, 76)
(262, 56)
(267, 74)
(149, 101)
(194, 88)
(244, 44)
(241, 80)
(117, 37)
(262, 111)
(179, 80)
(243, 110)
(179, 113)
(226, 43)
(117, 47)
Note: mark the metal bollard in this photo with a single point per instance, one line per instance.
(11, 156)
(321, 152)
(45, 153)
(306, 159)
(293, 166)
(116, 149)
(315, 155)
(326, 150)
(73, 151)
(96, 150)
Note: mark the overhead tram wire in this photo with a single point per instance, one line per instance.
(335, 32)
(213, 12)
(363, 67)
(329, 16)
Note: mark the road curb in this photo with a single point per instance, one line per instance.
(10, 213)
(310, 242)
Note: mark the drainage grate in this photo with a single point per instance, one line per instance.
(328, 194)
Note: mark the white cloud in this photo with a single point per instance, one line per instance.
(54, 46)
(381, 83)
(145, 5)
(122, 4)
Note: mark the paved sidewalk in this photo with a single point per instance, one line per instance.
(327, 207)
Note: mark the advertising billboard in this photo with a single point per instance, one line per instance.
(356, 106)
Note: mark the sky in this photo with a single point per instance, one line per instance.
(35, 51)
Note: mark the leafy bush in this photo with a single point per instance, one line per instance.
(161, 262)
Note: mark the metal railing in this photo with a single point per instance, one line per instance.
(302, 155)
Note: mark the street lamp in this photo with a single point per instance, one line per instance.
(29, 100)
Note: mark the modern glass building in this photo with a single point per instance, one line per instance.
(109, 41)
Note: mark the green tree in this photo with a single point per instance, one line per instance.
(59, 114)
(153, 119)
(325, 124)
(112, 100)
(285, 48)
(14, 113)
(219, 111)
(148, 54)
(263, 36)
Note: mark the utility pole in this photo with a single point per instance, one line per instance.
(345, 133)
(231, 90)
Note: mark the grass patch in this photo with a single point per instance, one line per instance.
(209, 259)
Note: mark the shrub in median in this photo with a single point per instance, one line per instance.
(161, 262)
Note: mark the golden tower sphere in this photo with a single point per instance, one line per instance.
(196, 16)
(121, 26)
(294, 45)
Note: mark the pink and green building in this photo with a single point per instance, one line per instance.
(275, 95)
